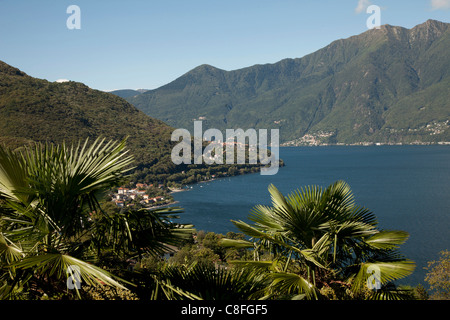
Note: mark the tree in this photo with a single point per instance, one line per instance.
(438, 277)
(199, 281)
(320, 241)
(53, 225)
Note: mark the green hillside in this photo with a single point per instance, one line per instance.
(388, 85)
(36, 110)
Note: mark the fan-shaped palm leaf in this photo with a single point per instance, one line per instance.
(328, 234)
(62, 266)
(387, 239)
(48, 193)
(9, 252)
(206, 282)
(293, 285)
(383, 272)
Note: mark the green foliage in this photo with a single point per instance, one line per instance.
(322, 244)
(207, 249)
(313, 244)
(200, 282)
(52, 221)
(35, 110)
(438, 277)
(41, 111)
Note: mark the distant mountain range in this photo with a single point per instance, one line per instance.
(387, 85)
(126, 93)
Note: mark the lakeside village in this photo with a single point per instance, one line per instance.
(158, 194)
(150, 195)
(143, 195)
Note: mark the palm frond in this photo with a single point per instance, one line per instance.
(9, 252)
(294, 285)
(13, 175)
(387, 239)
(47, 195)
(58, 265)
(383, 272)
(268, 264)
(236, 243)
(328, 233)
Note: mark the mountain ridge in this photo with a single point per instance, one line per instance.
(350, 90)
(39, 111)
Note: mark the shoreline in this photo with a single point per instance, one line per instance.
(162, 205)
(366, 144)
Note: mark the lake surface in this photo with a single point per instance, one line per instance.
(407, 188)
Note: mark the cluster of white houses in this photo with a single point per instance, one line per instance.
(125, 196)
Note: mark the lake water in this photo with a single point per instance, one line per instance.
(407, 188)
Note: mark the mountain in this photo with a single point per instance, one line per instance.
(38, 110)
(35, 110)
(387, 85)
(126, 93)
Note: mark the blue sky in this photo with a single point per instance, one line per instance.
(146, 44)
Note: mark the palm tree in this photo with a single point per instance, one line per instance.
(320, 242)
(52, 225)
(199, 281)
